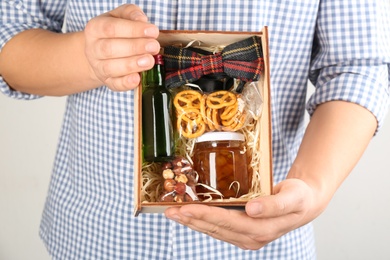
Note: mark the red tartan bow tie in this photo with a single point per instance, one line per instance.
(241, 60)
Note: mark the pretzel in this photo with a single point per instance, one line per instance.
(191, 124)
(238, 120)
(236, 123)
(189, 119)
(206, 113)
(187, 99)
(211, 119)
(229, 112)
(241, 121)
(203, 107)
(218, 111)
(220, 99)
(216, 121)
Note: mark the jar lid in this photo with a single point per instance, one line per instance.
(220, 136)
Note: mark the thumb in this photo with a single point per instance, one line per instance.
(289, 196)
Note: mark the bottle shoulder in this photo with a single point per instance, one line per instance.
(156, 89)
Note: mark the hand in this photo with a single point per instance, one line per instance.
(264, 220)
(118, 45)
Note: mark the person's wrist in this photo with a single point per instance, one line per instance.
(321, 193)
(89, 74)
(93, 80)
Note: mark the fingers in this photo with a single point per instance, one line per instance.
(119, 45)
(265, 219)
(112, 27)
(216, 222)
(126, 21)
(119, 48)
(123, 74)
(114, 68)
(291, 196)
(124, 83)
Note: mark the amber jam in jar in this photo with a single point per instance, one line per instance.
(221, 162)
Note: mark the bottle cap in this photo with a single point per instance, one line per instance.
(158, 59)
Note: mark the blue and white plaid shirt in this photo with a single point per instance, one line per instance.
(89, 208)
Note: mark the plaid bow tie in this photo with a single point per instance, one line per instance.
(241, 60)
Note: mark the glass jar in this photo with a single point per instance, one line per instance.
(221, 162)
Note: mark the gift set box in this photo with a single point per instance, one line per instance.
(259, 147)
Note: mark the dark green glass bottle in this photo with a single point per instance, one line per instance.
(157, 129)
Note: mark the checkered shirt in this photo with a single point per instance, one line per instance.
(89, 209)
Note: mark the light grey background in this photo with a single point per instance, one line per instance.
(355, 225)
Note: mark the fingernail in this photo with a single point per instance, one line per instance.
(138, 16)
(151, 31)
(144, 62)
(254, 208)
(152, 47)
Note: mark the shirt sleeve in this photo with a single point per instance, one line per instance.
(17, 16)
(351, 55)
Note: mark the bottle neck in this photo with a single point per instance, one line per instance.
(155, 77)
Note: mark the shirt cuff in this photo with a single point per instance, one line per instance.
(363, 84)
